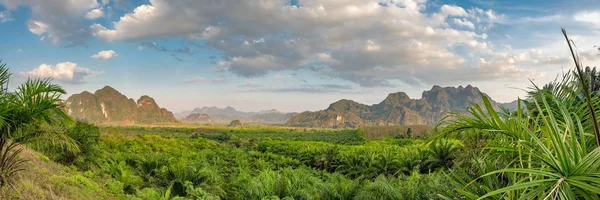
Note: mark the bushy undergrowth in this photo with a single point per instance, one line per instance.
(344, 136)
(163, 163)
(546, 149)
(405, 131)
(372, 159)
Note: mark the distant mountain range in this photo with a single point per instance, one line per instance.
(228, 114)
(397, 109)
(198, 118)
(109, 106)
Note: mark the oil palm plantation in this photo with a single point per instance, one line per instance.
(30, 113)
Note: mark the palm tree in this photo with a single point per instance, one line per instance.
(553, 160)
(550, 152)
(441, 155)
(32, 112)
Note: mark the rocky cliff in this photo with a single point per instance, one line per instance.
(108, 105)
(397, 109)
(227, 114)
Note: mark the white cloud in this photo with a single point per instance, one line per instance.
(464, 22)
(105, 55)
(103, 33)
(541, 19)
(94, 14)
(486, 18)
(592, 17)
(452, 10)
(66, 72)
(55, 21)
(19, 50)
(405, 42)
(37, 27)
(5, 17)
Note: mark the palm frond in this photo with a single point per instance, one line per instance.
(585, 84)
(4, 78)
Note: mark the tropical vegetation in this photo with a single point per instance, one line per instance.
(546, 148)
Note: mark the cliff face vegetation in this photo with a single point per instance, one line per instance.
(397, 109)
(108, 105)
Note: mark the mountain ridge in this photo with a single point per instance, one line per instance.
(108, 105)
(227, 114)
(396, 109)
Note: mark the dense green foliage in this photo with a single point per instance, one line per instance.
(549, 151)
(31, 113)
(85, 136)
(149, 163)
(404, 131)
(225, 134)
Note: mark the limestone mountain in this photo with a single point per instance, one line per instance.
(227, 114)
(397, 109)
(198, 118)
(108, 105)
(148, 112)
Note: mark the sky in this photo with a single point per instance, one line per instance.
(293, 55)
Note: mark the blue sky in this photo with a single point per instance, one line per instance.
(292, 55)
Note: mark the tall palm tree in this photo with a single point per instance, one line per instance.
(32, 112)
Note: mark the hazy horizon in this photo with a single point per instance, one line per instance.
(191, 106)
(293, 55)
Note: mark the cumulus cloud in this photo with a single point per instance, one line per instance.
(339, 38)
(366, 42)
(66, 72)
(592, 17)
(452, 10)
(105, 55)
(486, 18)
(94, 14)
(56, 21)
(464, 22)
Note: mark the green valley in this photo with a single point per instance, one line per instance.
(453, 143)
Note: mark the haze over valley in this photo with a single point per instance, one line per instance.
(109, 106)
